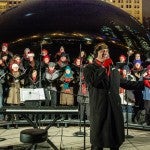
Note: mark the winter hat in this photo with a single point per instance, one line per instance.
(68, 68)
(99, 47)
(5, 44)
(63, 54)
(89, 57)
(70, 74)
(126, 67)
(51, 64)
(123, 56)
(137, 61)
(148, 67)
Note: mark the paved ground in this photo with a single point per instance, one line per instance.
(64, 139)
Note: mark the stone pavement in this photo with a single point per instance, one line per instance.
(64, 138)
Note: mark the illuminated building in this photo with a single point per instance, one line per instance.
(5, 4)
(133, 7)
(11, 3)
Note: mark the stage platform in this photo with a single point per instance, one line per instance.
(64, 138)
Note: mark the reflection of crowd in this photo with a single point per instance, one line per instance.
(61, 79)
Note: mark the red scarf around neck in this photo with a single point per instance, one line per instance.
(106, 64)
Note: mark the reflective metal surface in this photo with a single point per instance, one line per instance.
(63, 20)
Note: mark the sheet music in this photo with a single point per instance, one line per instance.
(31, 94)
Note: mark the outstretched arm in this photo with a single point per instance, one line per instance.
(131, 85)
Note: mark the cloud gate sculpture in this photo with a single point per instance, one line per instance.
(72, 22)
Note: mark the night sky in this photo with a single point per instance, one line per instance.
(146, 8)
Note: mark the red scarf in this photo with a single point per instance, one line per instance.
(106, 64)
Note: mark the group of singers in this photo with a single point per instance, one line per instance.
(95, 78)
(61, 79)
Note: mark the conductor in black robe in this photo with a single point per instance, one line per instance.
(106, 119)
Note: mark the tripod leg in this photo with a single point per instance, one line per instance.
(32, 147)
(79, 133)
(52, 123)
(29, 121)
(52, 144)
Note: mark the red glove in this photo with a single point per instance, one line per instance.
(108, 62)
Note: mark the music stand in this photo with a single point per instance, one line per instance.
(27, 94)
(32, 97)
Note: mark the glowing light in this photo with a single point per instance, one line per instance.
(19, 40)
(29, 14)
(35, 36)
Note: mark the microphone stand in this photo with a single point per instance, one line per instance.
(40, 74)
(3, 75)
(80, 133)
(82, 108)
(40, 65)
(127, 109)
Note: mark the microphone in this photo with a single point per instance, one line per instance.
(130, 52)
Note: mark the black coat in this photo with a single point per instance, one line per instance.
(106, 119)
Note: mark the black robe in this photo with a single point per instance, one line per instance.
(106, 119)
